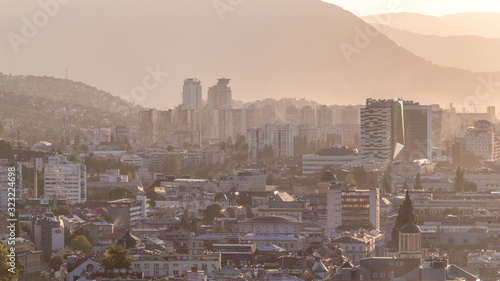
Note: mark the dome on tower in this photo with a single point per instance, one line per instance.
(410, 227)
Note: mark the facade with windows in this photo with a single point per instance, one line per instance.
(175, 264)
(65, 180)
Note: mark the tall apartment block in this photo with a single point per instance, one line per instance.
(65, 180)
(147, 126)
(395, 128)
(191, 94)
(219, 96)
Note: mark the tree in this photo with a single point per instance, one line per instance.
(81, 243)
(349, 179)
(68, 237)
(152, 195)
(270, 178)
(75, 158)
(220, 229)
(405, 215)
(6, 150)
(211, 212)
(418, 182)
(117, 258)
(171, 164)
(119, 192)
(6, 273)
(470, 186)
(55, 262)
(62, 211)
(387, 180)
(459, 182)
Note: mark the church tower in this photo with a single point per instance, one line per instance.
(410, 241)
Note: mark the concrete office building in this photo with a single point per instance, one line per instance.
(65, 180)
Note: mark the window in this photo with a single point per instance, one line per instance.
(146, 265)
(176, 272)
(137, 266)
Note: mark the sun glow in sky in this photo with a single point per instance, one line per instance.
(427, 7)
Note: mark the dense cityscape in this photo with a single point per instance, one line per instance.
(216, 189)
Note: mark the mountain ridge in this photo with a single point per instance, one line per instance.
(292, 50)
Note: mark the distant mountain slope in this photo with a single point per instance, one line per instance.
(43, 107)
(484, 24)
(466, 52)
(269, 48)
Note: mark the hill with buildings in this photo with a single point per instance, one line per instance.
(44, 108)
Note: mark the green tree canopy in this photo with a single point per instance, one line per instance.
(55, 262)
(405, 215)
(62, 211)
(418, 182)
(6, 150)
(459, 182)
(470, 186)
(81, 243)
(171, 164)
(349, 179)
(119, 192)
(387, 180)
(211, 212)
(5, 274)
(117, 258)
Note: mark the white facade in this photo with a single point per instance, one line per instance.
(191, 94)
(132, 159)
(313, 163)
(57, 238)
(65, 180)
(246, 180)
(481, 143)
(175, 264)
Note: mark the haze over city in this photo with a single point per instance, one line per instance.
(261, 140)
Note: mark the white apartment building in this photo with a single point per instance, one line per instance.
(65, 180)
(175, 264)
(334, 156)
(482, 141)
(132, 159)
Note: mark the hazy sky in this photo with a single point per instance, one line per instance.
(428, 7)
